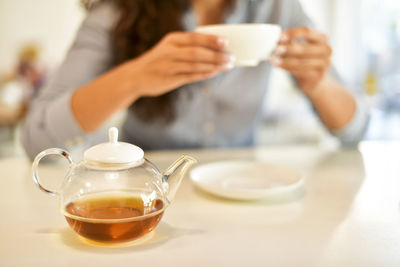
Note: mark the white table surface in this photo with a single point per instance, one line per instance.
(348, 216)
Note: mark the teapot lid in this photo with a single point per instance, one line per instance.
(113, 153)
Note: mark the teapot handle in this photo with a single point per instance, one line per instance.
(47, 152)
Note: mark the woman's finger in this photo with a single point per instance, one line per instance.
(198, 67)
(197, 39)
(303, 33)
(300, 64)
(185, 78)
(303, 50)
(202, 54)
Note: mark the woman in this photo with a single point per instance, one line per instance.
(179, 86)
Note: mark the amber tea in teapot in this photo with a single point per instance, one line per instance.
(114, 218)
(114, 194)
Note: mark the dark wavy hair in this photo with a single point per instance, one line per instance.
(142, 23)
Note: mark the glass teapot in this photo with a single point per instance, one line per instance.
(114, 194)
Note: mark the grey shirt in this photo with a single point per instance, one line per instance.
(219, 112)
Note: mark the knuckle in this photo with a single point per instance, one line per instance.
(193, 53)
(195, 38)
(295, 62)
(303, 63)
(165, 49)
(192, 38)
(170, 52)
(196, 77)
(203, 75)
(193, 66)
(215, 40)
(211, 41)
(218, 58)
(170, 37)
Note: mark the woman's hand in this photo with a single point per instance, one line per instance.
(179, 58)
(306, 54)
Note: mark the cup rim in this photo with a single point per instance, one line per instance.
(240, 25)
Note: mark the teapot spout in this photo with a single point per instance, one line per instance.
(173, 176)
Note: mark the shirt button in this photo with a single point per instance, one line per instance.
(209, 127)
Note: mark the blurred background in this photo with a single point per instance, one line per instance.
(365, 36)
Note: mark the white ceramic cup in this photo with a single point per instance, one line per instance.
(249, 43)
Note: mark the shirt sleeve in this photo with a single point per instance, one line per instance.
(355, 129)
(50, 122)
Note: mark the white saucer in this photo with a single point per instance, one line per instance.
(246, 180)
